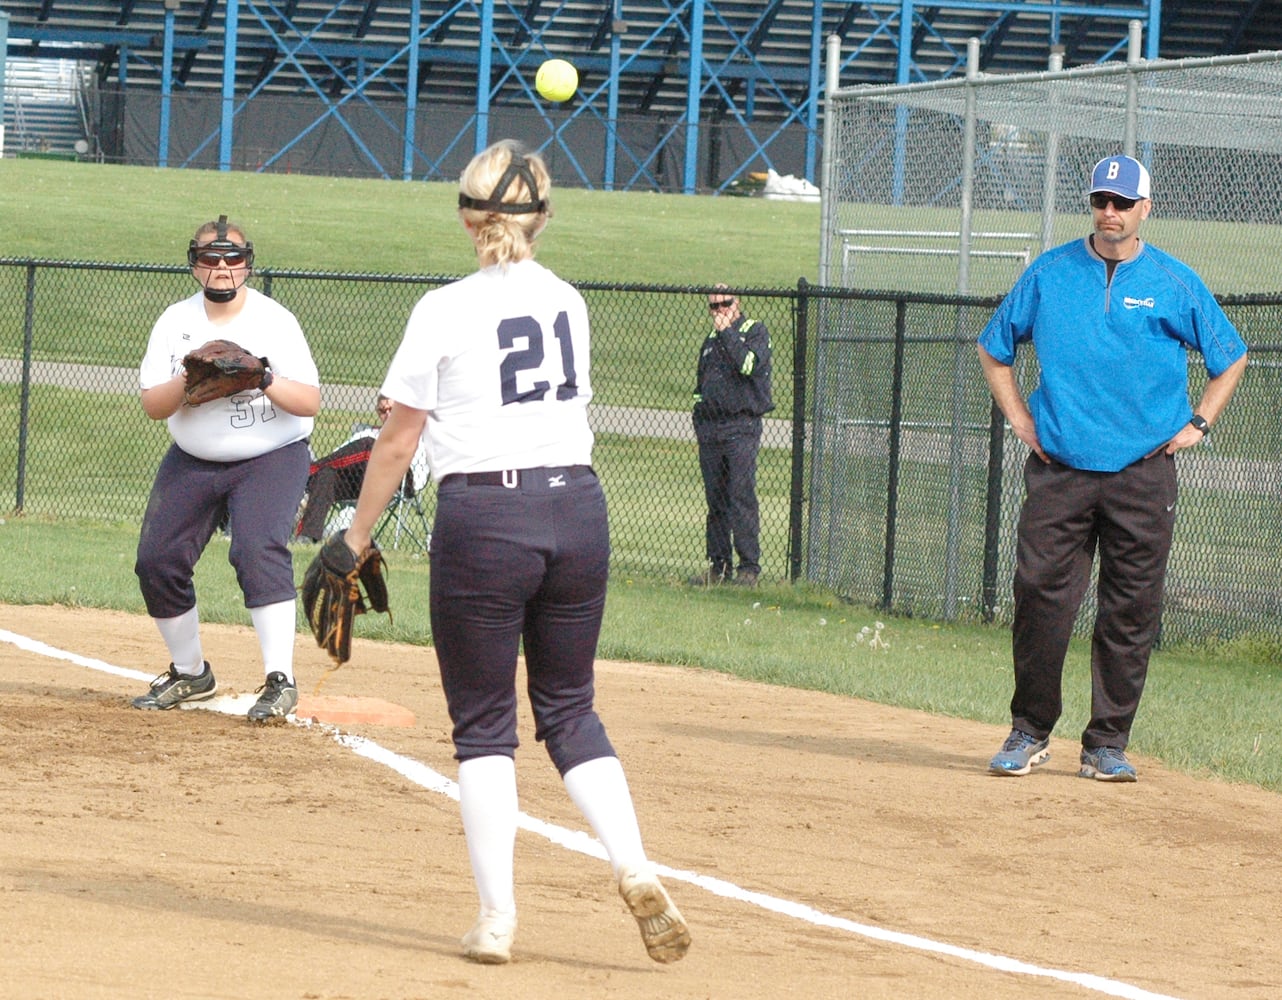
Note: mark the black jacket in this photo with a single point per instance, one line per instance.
(733, 380)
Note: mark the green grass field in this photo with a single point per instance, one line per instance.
(82, 211)
(1214, 710)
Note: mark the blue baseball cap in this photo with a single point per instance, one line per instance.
(1122, 175)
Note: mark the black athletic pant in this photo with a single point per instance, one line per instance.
(728, 463)
(517, 566)
(1067, 514)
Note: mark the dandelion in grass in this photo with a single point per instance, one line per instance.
(872, 637)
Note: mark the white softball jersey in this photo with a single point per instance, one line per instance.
(499, 360)
(245, 425)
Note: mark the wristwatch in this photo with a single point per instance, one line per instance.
(1200, 423)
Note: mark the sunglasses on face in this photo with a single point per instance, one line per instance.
(1100, 199)
(212, 258)
(722, 304)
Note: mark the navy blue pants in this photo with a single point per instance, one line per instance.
(259, 497)
(1067, 514)
(728, 463)
(527, 563)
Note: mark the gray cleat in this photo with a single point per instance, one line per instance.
(171, 689)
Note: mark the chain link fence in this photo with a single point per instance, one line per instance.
(884, 473)
(77, 444)
(954, 185)
(915, 484)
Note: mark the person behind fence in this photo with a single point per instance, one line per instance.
(493, 375)
(1113, 320)
(336, 478)
(731, 393)
(243, 456)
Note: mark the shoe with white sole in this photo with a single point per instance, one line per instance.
(1106, 764)
(490, 939)
(276, 699)
(171, 689)
(1019, 754)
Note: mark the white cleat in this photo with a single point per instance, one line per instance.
(663, 929)
(490, 939)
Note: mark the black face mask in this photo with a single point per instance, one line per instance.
(223, 246)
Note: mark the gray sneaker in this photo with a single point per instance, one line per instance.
(1019, 754)
(172, 688)
(1106, 764)
(277, 698)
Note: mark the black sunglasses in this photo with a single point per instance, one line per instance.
(212, 258)
(723, 304)
(1100, 199)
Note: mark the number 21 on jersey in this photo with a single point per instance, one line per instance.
(531, 357)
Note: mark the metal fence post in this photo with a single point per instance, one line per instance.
(24, 404)
(992, 512)
(893, 458)
(796, 502)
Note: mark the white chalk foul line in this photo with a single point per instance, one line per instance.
(582, 843)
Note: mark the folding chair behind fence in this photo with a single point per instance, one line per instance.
(405, 519)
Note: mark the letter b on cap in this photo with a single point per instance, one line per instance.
(1113, 169)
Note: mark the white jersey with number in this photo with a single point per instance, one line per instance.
(499, 360)
(245, 425)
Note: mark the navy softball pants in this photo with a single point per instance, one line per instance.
(517, 564)
(190, 496)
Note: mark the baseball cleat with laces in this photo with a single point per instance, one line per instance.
(277, 698)
(171, 689)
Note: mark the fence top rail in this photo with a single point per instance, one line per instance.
(933, 251)
(802, 288)
(942, 234)
(265, 272)
(1076, 73)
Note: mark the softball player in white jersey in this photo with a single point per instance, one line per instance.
(493, 375)
(244, 457)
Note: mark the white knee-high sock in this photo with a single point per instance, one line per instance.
(600, 790)
(182, 637)
(488, 802)
(274, 624)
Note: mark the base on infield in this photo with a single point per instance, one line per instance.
(350, 710)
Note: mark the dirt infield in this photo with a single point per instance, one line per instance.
(824, 847)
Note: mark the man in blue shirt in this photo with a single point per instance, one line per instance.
(1112, 320)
